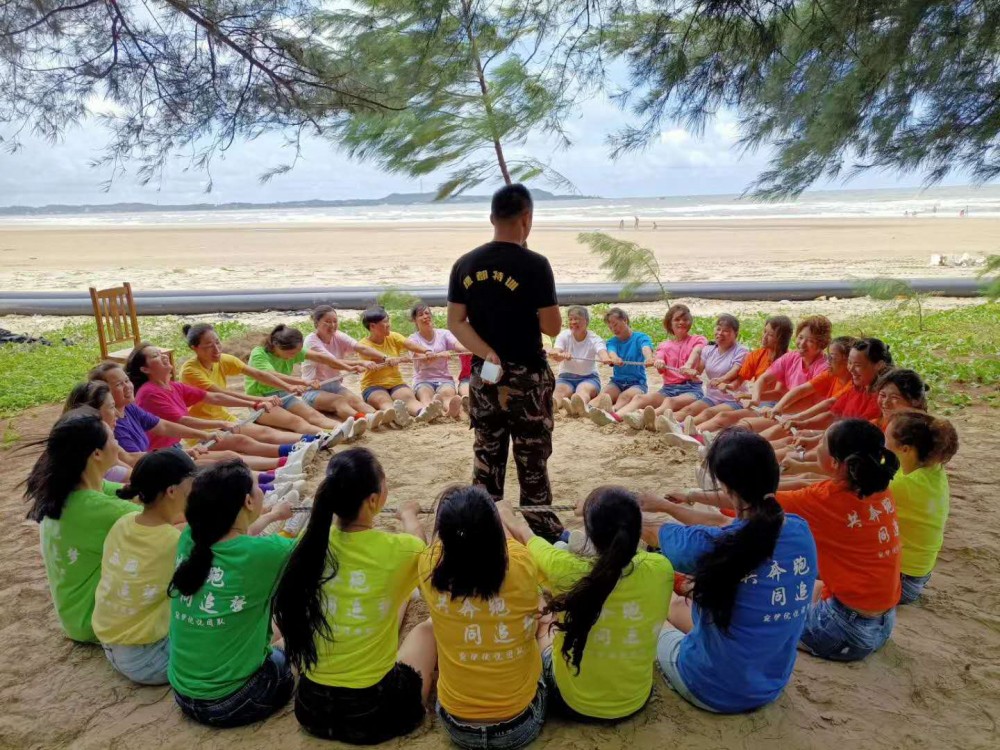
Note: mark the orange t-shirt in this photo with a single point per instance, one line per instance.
(827, 385)
(858, 545)
(756, 364)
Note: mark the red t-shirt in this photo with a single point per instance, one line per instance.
(170, 404)
(827, 385)
(466, 371)
(858, 545)
(756, 364)
(856, 403)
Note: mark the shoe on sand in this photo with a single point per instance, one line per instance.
(689, 426)
(603, 402)
(358, 428)
(601, 417)
(679, 440)
(580, 544)
(430, 412)
(635, 420)
(455, 408)
(465, 404)
(649, 418)
(403, 418)
(576, 406)
(374, 420)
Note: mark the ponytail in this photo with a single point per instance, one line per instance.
(155, 473)
(193, 333)
(284, 338)
(745, 464)
(614, 524)
(934, 439)
(473, 561)
(217, 495)
(134, 364)
(299, 603)
(860, 447)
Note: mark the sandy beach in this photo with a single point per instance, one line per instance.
(270, 255)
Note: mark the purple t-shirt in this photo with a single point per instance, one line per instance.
(791, 370)
(436, 370)
(131, 429)
(718, 363)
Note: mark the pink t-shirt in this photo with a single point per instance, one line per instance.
(170, 404)
(790, 369)
(675, 354)
(341, 346)
(435, 371)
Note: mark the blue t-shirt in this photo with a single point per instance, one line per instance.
(630, 350)
(750, 666)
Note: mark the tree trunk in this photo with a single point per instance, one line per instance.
(481, 75)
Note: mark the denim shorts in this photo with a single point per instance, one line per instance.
(687, 388)
(434, 385)
(913, 587)
(575, 381)
(712, 401)
(288, 400)
(145, 664)
(336, 388)
(367, 393)
(267, 690)
(392, 707)
(668, 648)
(836, 632)
(624, 385)
(504, 735)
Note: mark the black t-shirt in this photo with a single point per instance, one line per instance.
(503, 286)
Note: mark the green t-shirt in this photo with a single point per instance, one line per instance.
(261, 359)
(616, 674)
(922, 502)
(72, 546)
(221, 634)
(377, 571)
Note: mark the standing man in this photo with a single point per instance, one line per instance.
(501, 298)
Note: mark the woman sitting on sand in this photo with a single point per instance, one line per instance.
(628, 381)
(923, 444)
(224, 669)
(340, 350)
(609, 610)
(210, 370)
(150, 372)
(482, 591)
(675, 360)
(277, 356)
(132, 610)
(340, 604)
(730, 643)
(820, 392)
(97, 395)
(75, 509)
(787, 371)
(432, 380)
(579, 350)
(383, 387)
(721, 363)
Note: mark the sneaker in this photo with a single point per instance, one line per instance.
(703, 479)
(430, 412)
(374, 420)
(576, 406)
(465, 404)
(603, 402)
(358, 428)
(388, 417)
(297, 485)
(287, 478)
(455, 408)
(709, 438)
(649, 418)
(403, 418)
(689, 427)
(580, 544)
(275, 495)
(660, 424)
(334, 437)
(635, 420)
(560, 404)
(601, 417)
(680, 440)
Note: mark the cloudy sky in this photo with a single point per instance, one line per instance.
(678, 164)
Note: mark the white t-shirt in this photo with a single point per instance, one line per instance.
(341, 346)
(586, 349)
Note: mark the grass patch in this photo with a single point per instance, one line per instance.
(957, 352)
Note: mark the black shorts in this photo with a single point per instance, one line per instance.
(390, 708)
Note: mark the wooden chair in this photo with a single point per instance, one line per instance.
(114, 310)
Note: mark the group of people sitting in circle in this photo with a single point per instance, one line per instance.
(830, 501)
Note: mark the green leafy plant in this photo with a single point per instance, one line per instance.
(626, 262)
(898, 290)
(991, 273)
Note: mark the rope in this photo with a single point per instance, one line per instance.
(248, 419)
(428, 511)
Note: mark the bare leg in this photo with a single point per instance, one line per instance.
(757, 423)
(331, 403)
(676, 403)
(270, 435)
(246, 445)
(283, 419)
(425, 394)
(413, 406)
(680, 614)
(691, 410)
(586, 392)
(640, 402)
(313, 417)
(419, 651)
(626, 397)
(380, 400)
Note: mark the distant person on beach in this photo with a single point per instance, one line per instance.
(501, 298)
(636, 222)
(621, 224)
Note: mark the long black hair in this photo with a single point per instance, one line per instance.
(860, 446)
(613, 521)
(745, 464)
(473, 559)
(90, 393)
(155, 473)
(284, 338)
(909, 385)
(217, 495)
(134, 364)
(57, 471)
(352, 476)
(193, 333)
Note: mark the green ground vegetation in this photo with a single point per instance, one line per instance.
(957, 352)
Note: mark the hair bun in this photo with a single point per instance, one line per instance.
(185, 328)
(128, 492)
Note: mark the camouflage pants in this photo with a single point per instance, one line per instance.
(518, 409)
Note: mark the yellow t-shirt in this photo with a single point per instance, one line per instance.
(131, 604)
(922, 500)
(616, 673)
(196, 374)
(488, 658)
(376, 573)
(384, 377)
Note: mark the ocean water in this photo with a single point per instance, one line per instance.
(892, 203)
